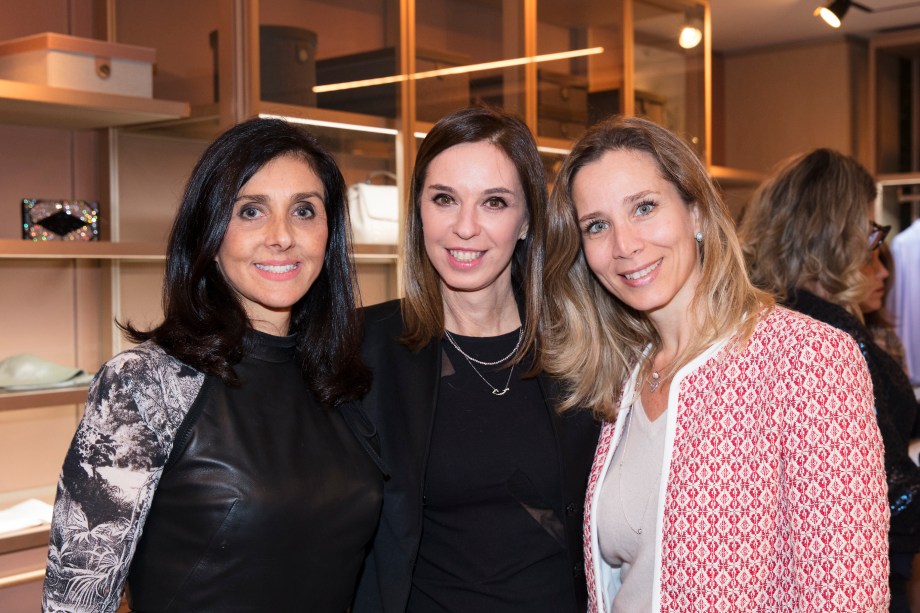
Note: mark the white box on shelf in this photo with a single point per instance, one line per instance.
(71, 62)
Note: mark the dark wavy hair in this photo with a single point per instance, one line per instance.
(205, 323)
(423, 308)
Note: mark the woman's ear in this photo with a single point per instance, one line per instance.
(697, 219)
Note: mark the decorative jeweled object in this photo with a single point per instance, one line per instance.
(60, 220)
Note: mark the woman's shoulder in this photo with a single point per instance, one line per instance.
(151, 380)
(786, 330)
(145, 361)
(383, 313)
(382, 322)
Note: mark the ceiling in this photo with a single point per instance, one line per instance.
(738, 25)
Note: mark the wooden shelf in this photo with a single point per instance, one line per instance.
(105, 250)
(735, 177)
(903, 178)
(27, 538)
(34, 399)
(53, 107)
(367, 253)
(92, 250)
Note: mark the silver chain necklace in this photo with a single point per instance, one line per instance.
(495, 390)
(470, 360)
(480, 362)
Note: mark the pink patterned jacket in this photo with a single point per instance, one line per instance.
(774, 496)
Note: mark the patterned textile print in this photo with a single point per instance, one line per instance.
(134, 407)
(775, 499)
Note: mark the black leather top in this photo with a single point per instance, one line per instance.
(267, 503)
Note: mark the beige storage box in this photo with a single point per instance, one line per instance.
(86, 64)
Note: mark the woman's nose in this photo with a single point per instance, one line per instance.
(625, 241)
(279, 233)
(467, 222)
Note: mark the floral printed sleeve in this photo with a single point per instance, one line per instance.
(135, 405)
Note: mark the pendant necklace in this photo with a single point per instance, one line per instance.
(470, 360)
(655, 381)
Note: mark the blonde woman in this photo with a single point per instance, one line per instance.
(740, 466)
(811, 237)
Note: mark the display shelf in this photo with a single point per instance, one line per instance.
(33, 399)
(104, 250)
(203, 122)
(54, 107)
(375, 253)
(30, 576)
(26, 538)
(735, 177)
(902, 178)
(91, 250)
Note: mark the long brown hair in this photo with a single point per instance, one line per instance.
(423, 308)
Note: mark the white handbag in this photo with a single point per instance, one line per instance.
(374, 212)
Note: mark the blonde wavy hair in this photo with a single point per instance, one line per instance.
(592, 340)
(805, 228)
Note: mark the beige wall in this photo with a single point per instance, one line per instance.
(782, 101)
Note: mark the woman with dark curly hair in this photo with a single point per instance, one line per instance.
(222, 465)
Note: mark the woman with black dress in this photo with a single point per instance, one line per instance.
(483, 512)
(222, 465)
(808, 235)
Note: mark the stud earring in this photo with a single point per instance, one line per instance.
(699, 237)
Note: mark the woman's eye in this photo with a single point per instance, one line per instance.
(593, 227)
(249, 212)
(442, 199)
(645, 208)
(305, 211)
(496, 203)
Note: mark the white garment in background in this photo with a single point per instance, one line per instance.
(904, 301)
